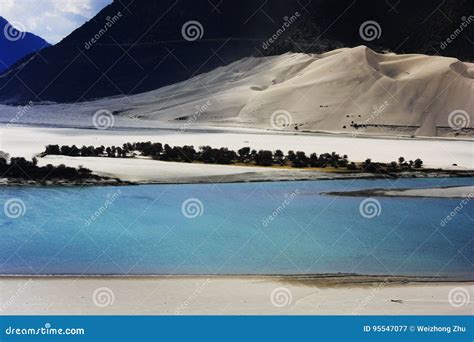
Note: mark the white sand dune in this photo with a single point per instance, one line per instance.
(402, 94)
(390, 94)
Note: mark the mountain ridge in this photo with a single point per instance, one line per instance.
(145, 48)
(15, 44)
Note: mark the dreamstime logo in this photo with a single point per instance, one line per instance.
(370, 30)
(377, 110)
(467, 198)
(288, 199)
(110, 199)
(103, 296)
(281, 119)
(103, 119)
(459, 297)
(192, 30)
(466, 21)
(370, 208)
(192, 297)
(5, 305)
(288, 21)
(21, 111)
(110, 21)
(376, 288)
(14, 208)
(200, 110)
(281, 297)
(459, 119)
(14, 31)
(192, 208)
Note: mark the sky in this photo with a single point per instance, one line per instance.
(52, 20)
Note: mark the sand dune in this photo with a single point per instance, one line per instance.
(387, 94)
(392, 94)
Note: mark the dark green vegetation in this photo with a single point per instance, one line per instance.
(22, 169)
(245, 155)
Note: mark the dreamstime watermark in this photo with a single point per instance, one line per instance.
(192, 297)
(14, 208)
(280, 119)
(5, 305)
(14, 31)
(370, 208)
(103, 119)
(20, 112)
(376, 112)
(192, 208)
(458, 120)
(459, 297)
(286, 202)
(376, 288)
(199, 111)
(47, 329)
(370, 30)
(192, 30)
(466, 21)
(288, 21)
(103, 297)
(110, 21)
(281, 297)
(467, 198)
(111, 198)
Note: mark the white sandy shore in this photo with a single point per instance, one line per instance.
(451, 192)
(153, 171)
(465, 192)
(224, 295)
(145, 170)
(437, 153)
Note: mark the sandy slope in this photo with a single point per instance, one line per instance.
(226, 296)
(401, 94)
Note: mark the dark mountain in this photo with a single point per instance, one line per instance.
(14, 45)
(133, 46)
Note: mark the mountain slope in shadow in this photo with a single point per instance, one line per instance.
(136, 46)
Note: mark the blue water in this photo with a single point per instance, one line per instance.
(143, 230)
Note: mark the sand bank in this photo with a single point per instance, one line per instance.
(466, 192)
(227, 295)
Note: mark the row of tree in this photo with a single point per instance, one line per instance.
(20, 168)
(245, 155)
(205, 154)
(402, 165)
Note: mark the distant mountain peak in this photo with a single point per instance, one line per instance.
(15, 43)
